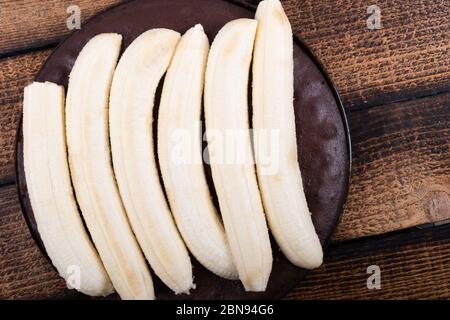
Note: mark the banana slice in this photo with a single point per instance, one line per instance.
(92, 174)
(131, 106)
(55, 209)
(279, 177)
(179, 128)
(226, 114)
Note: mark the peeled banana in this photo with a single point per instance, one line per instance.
(280, 178)
(91, 170)
(179, 128)
(226, 113)
(55, 209)
(131, 107)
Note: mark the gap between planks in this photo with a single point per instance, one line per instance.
(413, 263)
(384, 196)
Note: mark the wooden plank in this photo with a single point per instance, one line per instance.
(401, 155)
(413, 264)
(24, 272)
(401, 171)
(36, 23)
(408, 57)
(401, 167)
(15, 74)
(375, 174)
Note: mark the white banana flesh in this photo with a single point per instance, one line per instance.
(54, 206)
(179, 128)
(92, 174)
(282, 190)
(136, 78)
(226, 110)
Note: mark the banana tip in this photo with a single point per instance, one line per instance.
(198, 27)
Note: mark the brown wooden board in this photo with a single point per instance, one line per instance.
(408, 57)
(36, 23)
(413, 124)
(413, 265)
(367, 212)
(401, 167)
(322, 132)
(24, 272)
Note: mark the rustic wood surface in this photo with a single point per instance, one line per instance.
(401, 167)
(36, 23)
(408, 57)
(413, 265)
(394, 83)
(24, 271)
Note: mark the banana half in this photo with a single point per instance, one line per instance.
(226, 113)
(91, 170)
(131, 107)
(55, 209)
(179, 129)
(273, 111)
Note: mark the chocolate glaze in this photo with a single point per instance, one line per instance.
(322, 132)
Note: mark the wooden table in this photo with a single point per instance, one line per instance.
(395, 85)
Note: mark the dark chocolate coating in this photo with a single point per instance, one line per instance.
(322, 132)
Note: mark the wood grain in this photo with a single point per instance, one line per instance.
(413, 264)
(36, 23)
(15, 73)
(401, 156)
(408, 57)
(24, 271)
(401, 167)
